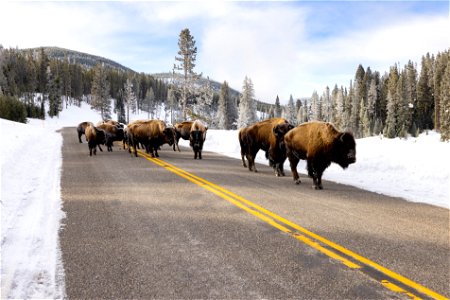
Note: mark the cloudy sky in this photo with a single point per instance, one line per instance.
(289, 47)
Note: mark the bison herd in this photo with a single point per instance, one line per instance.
(319, 143)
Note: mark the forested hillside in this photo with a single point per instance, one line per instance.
(400, 101)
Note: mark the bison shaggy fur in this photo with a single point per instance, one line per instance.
(182, 130)
(268, 136)
(95, 137)
(197, 137)
(150, 133)
(81, 129)
(112, 133)
(320, 144)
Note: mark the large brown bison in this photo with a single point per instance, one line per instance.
(112, 133)
(319, 143)
(268, 136)
(182, 130)
(197, 137)
(81, 129)
(95, 137)
(150, 133)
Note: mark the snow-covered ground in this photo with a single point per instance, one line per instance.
(416, 169)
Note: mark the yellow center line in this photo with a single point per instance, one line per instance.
(282, 224)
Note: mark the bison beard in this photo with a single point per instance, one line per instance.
(320, 144)
(197, 143)
(197, 137)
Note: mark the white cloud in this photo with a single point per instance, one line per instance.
(260, 43)
(270, 42)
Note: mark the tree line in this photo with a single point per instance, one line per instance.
(400, 102)
(39, 81)
(404, 101)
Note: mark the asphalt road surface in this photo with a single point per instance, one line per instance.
(207, 229)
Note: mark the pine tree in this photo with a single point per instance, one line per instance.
(327, 106)
(247, 105)
(100, 92)
(278, 110)
(372, 98)
(316, 107)
(222, 113)
(440, 66)
(425, 100)
(187, 56)
(391, 118)
(149, 103)
(130, 99)
(364, 120)
(302, 115)
(204, 101)
(54, 94)
(42, 74)
(291, 112)
(410, 96)
(339, 110)
(348, 101)
(445, 103)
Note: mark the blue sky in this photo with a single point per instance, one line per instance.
(292, 47)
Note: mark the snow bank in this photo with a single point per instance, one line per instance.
(30, 212)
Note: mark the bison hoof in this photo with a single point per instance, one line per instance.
(298, 181)
(317, 187)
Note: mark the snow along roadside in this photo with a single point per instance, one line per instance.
(31, 265)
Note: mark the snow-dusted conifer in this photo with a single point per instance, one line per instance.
(247, 105)
(226, 113)
(291, 113)
(277, 111)
(316, 107)
(100, 92)
(129, 99)
(186, 58)
(445, 104)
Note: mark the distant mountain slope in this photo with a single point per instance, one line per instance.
(85, 59)
(89, 61)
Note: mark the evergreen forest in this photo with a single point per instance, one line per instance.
(404, 100)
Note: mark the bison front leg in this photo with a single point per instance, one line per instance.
(243, 158)
(279, 169)
(251, 160)
(315, 171)
(293, 162)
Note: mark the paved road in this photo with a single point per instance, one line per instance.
(135, 229)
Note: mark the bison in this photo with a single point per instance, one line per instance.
(182, 130)
(112, 133)
(197, 137)
(110, 122)
(319, 143)
(81, 129)
(95, 137)
(268, 136)
(151, 133)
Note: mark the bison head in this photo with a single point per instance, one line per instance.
(281, 129)
(100, 136)
(197, 139)
(169, 135)
(345, 149)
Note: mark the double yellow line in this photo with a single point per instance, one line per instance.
(389, 279)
